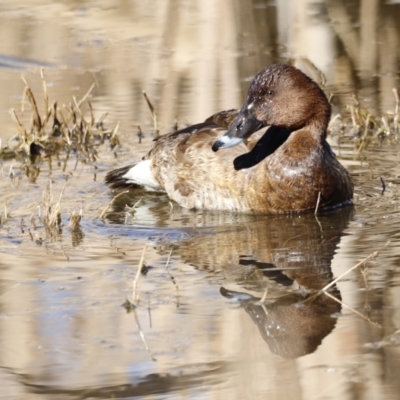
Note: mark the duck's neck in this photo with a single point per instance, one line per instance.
(318, 131)
(318, 124)
(273, 138)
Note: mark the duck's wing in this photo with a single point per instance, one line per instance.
(195, 176)
(223, 119)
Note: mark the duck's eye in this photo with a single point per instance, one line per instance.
(270, 92)
(239, 124)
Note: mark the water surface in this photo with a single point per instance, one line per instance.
(200, 330)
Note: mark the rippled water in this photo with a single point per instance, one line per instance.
(200, 330)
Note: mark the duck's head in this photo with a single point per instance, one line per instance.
(281, 96)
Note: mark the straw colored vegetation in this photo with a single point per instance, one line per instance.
(47, 217)
(357, 122)
(67, 129)
(63, 128)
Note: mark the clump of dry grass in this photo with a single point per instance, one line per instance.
(51, 216)
(365, 128)
(75, 220)
(48, 214)
(58, 129)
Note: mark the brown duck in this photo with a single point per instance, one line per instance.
(226, 163)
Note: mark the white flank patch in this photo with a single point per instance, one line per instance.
(229, 141)
(142, 175)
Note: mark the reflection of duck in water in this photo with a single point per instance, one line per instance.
(289, 168)
(281, 253)
(291, 325)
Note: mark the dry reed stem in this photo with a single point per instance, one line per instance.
(114, 136)
(359, 264)
(140, 134)
(18, 122)
(131, 305)
(45, 94)
(48, 110)
(102, 118)
(353, 310)
(135, 296)
(396, 110)
(263, 298)
(153, 114)
(5, 211)
(114, 131)
(172, 278)
(86, 95)
(109, 204)
(317, 205)
(37, 122)
(52, 212)
(149, 310)
(130, 209)
(142, 336)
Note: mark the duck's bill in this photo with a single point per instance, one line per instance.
(244, 125)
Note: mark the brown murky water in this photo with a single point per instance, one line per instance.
(200, 330)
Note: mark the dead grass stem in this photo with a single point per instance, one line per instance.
(325, 291)
(135, 296)
(142, 336)
(342, 303)
(365, 128)
(153, 114)
(172, 278)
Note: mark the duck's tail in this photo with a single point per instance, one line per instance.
(137, 175)
(115, 179)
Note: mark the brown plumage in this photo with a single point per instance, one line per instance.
(289, 168)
